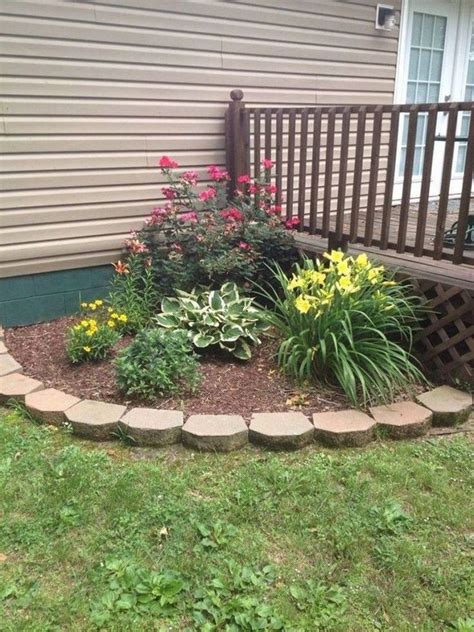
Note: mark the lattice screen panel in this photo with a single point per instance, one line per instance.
(446, 343)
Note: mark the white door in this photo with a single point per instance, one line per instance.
(464, 91)
(433, 67)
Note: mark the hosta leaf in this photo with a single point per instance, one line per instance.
(168, 321)
(235, 309)
(202, 341)
(231, 333)
(215, 300)
(242, 351)
(170, 305)
(228, 288)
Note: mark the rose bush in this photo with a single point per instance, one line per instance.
(203, 238)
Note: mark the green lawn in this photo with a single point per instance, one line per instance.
(123, 539)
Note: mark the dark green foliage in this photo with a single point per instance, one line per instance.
(157, 363)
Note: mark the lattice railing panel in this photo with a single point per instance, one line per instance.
(446, 342)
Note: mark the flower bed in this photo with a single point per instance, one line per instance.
(228, 385)
(211, 312)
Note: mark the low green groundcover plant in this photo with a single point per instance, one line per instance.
(344, 320)
(224, 318)
(158, 363)
(95, 334)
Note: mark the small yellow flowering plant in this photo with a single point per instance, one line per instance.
(96, 333)
(347, 321)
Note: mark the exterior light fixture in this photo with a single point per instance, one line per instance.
(385, 17)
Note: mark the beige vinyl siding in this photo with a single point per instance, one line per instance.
(93, 93)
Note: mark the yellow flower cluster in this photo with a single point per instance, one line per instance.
(93, 306)
(316, 287)
(115, 318)
(89, 325)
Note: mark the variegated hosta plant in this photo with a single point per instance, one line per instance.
(223, 318)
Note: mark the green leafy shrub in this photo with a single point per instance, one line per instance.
(133, 290)
(208, 238)
(344, 321)
(222, 318)
(158, 363)
(97, 332)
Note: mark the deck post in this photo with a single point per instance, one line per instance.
(235, 132)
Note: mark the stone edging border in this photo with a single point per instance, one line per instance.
(99, 421)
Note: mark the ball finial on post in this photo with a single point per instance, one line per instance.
(236, 94)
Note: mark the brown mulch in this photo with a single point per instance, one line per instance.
(228, 386)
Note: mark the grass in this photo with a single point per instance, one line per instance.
(100, 537)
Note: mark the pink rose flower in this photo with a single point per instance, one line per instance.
(190, 177)
(244, 179)
(254, 188)
(217, 174)
(189, 217)
(232, 214)
(169, 193)
(167, 163)
(243, 245)
(208, 194)
(135, 246)
(271, 189)
(267, 163)
(292, 223)
(158, 215)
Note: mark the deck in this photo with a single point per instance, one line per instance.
(443, 271)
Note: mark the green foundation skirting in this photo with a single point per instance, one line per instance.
(34, 298)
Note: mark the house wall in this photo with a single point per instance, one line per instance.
(93, 93)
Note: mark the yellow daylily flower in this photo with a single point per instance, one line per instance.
(318, 277)
(90, 332)
(362, 261)
(343, 267)
(77, 327)
(346, 285)
(99, 303)
(123, 318)
(110, 310)
(84, 305)
(114, 315)
(111, 323)
(295, 282)
(92, 306)
(302, 304)
(87, 349)
(84, 323)
(335, 256)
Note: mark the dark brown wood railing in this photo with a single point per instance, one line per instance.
(340, 171)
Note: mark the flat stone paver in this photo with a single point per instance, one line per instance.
(221, 433)
(403, 420)
(3, 347)
(50, 405)
(9, 365)
(344, 428)
(448, 405)
(286, 431)
(16, 386)
(95, 420)
(151, 426)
